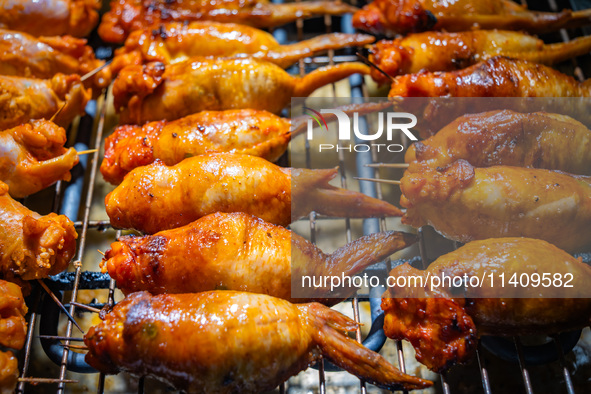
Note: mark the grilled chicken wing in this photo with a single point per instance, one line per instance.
(156, 92)
(437, 51)
(236, 251)
(33, 246)
(126, 16)
(174, 42)
(539, 140)
(156, 197)
(13, 327)
(466, 203)
(50, 17)
(26, 56)
(447, 329)
(176, 338)
(8, 372)
(23, 99)
(33, 157)
(391, 17)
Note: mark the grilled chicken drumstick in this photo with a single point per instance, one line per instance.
(26, 56)
(126, 16)
(446, 330)
(156, 197)
(174, 42)
(392, 17)
(466, 203)
(23, 99)
(50, 17)
(33, 157)
(33, 246)
(236, 251)
(176, 338)
(540, 140)
(437, 51)
(8, 372)
(13, 327)
(156, 92)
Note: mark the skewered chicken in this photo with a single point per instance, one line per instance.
(391, 17)
(176, 338)
(446, 330)
(32, 246)
(8, 372)
(13, 327)
(437, 51)
(539, 140)
(33, 157)
(175, 42)
(156, 197)
(26, 56)
(126, 16)
(156, 92)
(466, 203)
(23, 99)
(50, 17)
(236, 251)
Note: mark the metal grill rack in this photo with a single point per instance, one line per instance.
(76, 198)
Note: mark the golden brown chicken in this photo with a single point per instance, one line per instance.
(33, 157)
(33, 246)
(175, 42)
(540, 140)
(50, 17)
(157, 92)
(446, 330)
(236, 251)
(391, 17)
(8, 372)
(156, 197)
(466, 203)
(23, 99)
(26, 56)
(13, 327)
(437, 51)
(126, 16)
(177, 338)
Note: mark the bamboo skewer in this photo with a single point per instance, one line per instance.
(59, 303)
(389, 181)
(388, 165)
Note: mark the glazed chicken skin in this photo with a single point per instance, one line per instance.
(156, 197)
(175, 42)
(8, 372)
(126, 16)
(33, 157)
(26, 56)
(392, 17)
(13, 327)
(50, 17)
(23, 99)
(446, 331)
(439, 51)
(176, 339)
(540, 140)
(236, 251)
(465, 203)
(157, 92)
(33, 246)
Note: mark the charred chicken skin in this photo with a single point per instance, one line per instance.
(156, 197)
(13, 327)
(50, 17)
(176, 338)
(446, 330)
(236, 251)
(26, 56)
(157, 92)
(175, 42)
(23, 99)
(392, 17)
(438, 51)
(466, 203)
(33, 246)
(540, 140)
(33, 157)
(126, 16)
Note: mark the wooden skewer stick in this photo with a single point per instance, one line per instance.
(78, 347)
(46, 380)
(389, 181)
(101, 252)
(372, 64)
(73, 339)
(87, 307)
(59, 303)
(58, 111)
(388, 165)
(91, 73)
(87, 151)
